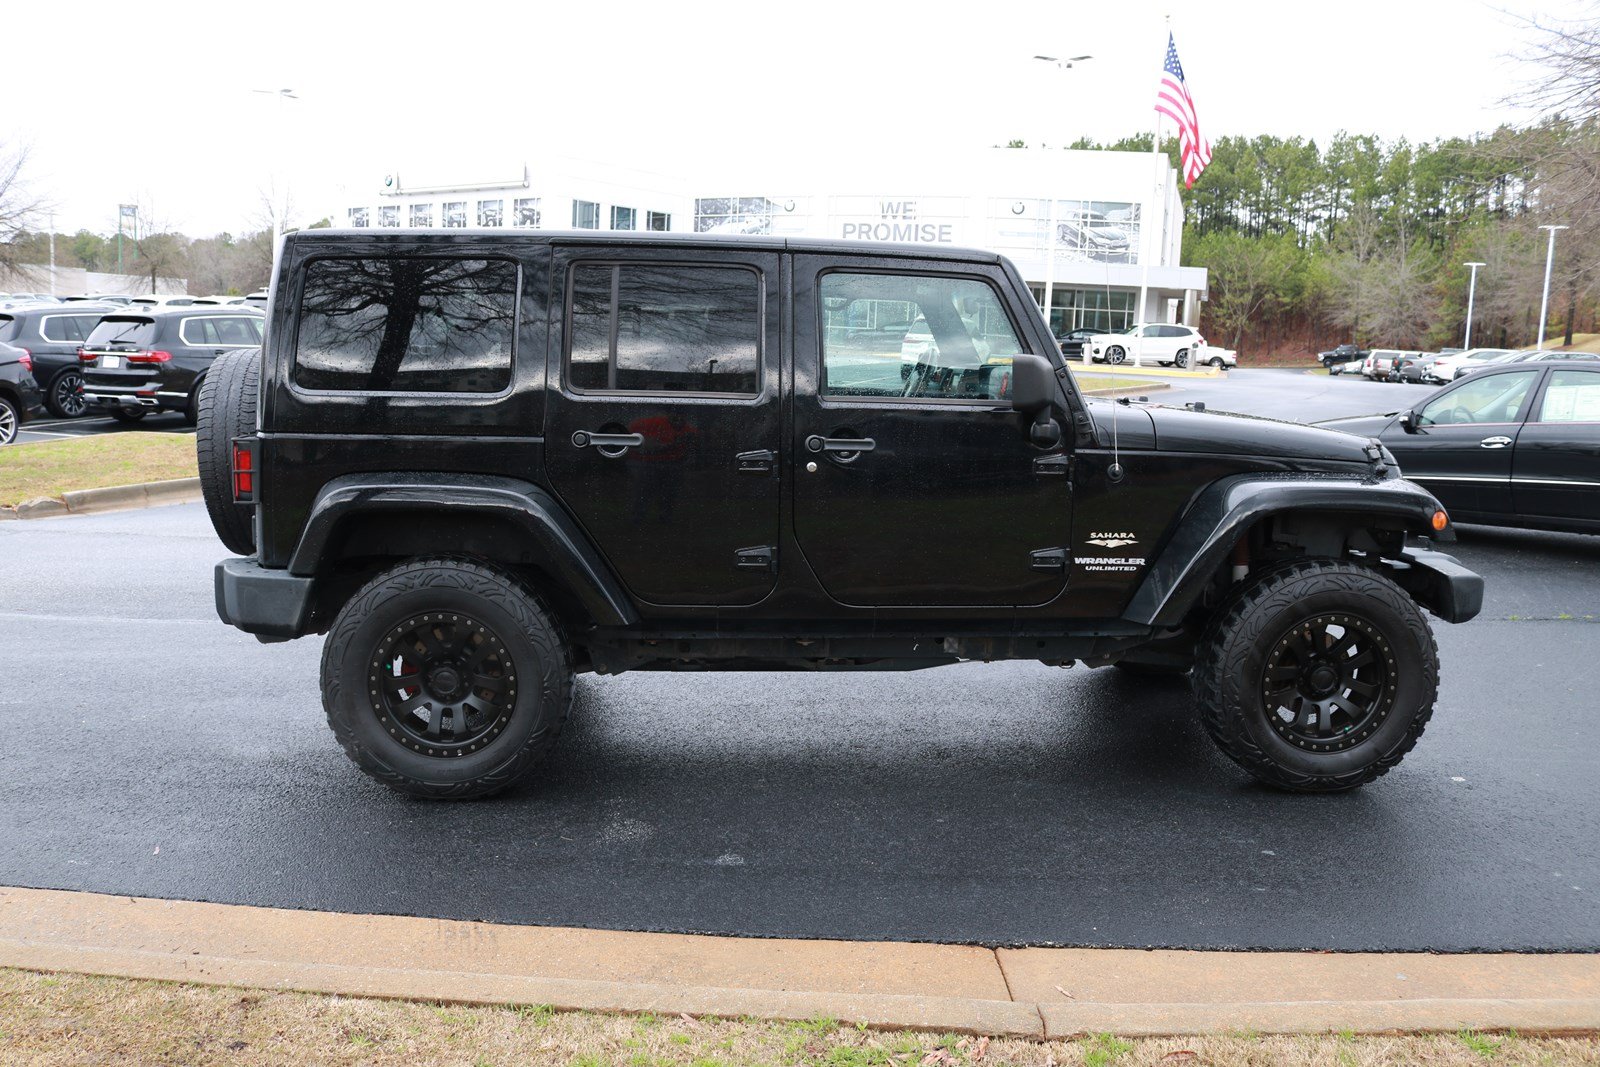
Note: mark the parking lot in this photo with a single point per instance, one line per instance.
(154, 751)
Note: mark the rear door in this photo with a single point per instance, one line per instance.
(1556, 470)
(663, 419)
(914, 483)
(1465, 439)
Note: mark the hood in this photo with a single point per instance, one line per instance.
(1360, 425)
(1182, 430)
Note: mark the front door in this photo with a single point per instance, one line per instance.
(914, 482)
(663, 418)
(1466, 435)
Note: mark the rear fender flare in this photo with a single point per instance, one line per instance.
(1227, 510)
(564, 550)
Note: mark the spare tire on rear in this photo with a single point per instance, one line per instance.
(227, 410)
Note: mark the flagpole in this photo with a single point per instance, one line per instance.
(1141, 313)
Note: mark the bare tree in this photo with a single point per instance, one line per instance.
(19, 207)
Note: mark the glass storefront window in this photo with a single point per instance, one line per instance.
(422, 214)
(585, 215)
(455, 214)
(525, 212)
(623, 218)
(658, 220)
(491, 212)
(358, 217)
(389, 215)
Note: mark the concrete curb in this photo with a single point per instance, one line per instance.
(111, 498)
(1131, 390)
(1030, 993)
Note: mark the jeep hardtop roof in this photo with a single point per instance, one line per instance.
(651, 239)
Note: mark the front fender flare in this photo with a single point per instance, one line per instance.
(1225, 511)
(564, 549)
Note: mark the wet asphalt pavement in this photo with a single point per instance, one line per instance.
(152, 751)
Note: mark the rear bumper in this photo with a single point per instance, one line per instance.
(266, 601)
(1440, 583)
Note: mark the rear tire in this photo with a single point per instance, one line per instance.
(506, 687)
(64, 398)
(1217, 363)
(225, 408)
(10, 421)
(1317, 677)
(1182, 359)
(126, 416)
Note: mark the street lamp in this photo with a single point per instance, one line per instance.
(1472, 290)
(1050, 223)
(1544, 303)
(278, 220)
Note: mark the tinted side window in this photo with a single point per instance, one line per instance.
(8, 327)
(407, 324)
(66, 327)
(1571, 396)
(1493, 398)
(635, 327)
(922, 337)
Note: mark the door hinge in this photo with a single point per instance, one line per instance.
(1049, 559)
(759, 558)
(761, 461)
(1060, 463)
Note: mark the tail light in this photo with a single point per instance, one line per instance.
(26, 360)
(153, 356)
(244, 470)
(85, 357)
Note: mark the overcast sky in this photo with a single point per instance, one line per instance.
(153, 103)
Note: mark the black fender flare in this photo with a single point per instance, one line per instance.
(565, 551)
(1226, 510)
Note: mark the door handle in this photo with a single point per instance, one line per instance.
(816, 443)
(1494, 442)
(609, 445)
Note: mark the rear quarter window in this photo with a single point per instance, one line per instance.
(221, 331)
(406, 324)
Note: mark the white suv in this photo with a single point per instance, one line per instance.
(1157, 342)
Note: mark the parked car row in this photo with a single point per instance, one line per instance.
(1441, 368)
(125, 361)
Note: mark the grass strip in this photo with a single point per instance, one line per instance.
(48, 1019)
(29, 472)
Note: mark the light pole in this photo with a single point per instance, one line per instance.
(1050, 223)
(1549, 260)
(278, 221)
(1472, 290)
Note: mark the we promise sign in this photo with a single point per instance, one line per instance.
(904, 220)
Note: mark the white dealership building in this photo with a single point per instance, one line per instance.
(1115, 217)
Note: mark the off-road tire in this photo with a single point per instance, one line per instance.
(124, 415)
(534, 642)
(1229, 672)
(226, 408)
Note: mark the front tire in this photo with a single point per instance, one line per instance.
(1317, 677)
(10, 421)
(446, 679)
(1115, 355)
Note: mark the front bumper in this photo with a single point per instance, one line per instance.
(266, 601)
(1439, 583)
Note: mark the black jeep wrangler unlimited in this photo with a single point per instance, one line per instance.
(484, 461)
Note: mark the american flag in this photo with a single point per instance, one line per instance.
(1174, 101)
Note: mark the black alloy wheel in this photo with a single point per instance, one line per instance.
(446, 678)
(443, 684)
(65, 399)
(1316, 675)
(1329, 682)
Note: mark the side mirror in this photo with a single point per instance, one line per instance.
(1034, 393)
(1033, 384)
(1410, 421)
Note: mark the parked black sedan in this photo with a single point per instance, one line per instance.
(1506, 446)
(52, 335)
(137, 362)
(19, 393)
(1072, 342)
